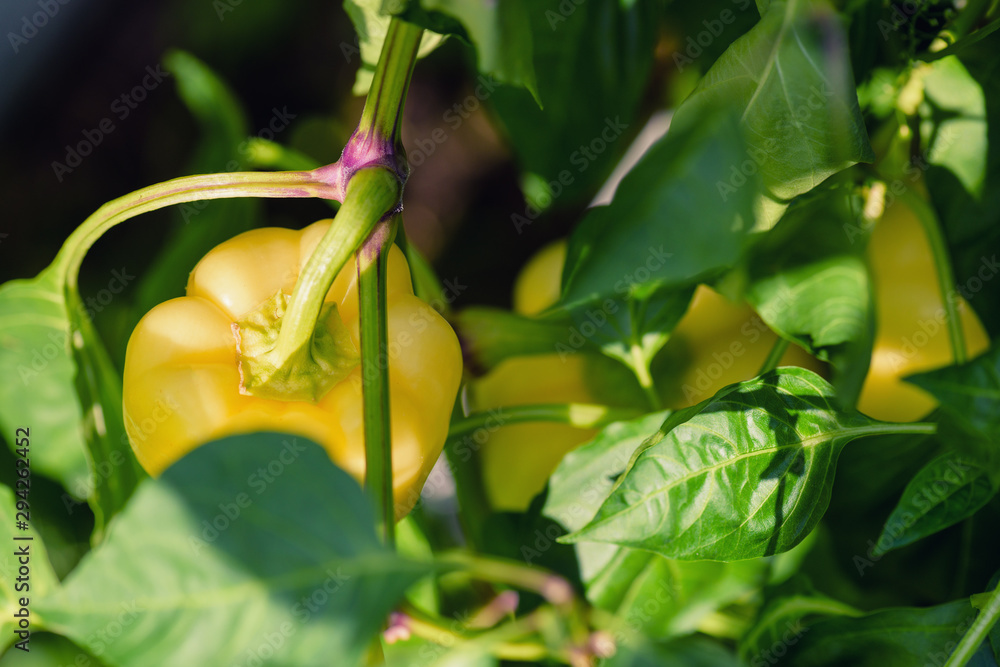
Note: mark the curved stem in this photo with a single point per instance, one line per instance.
(371, 193)
(987, 618)
(774, 356)
(180, 190)
(580, 415)
(942, 265)
(372, 270)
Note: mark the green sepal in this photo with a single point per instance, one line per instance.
(306, 375)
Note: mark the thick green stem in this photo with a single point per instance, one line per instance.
(580, 415)
(371, 193)
(774, 356)
(179, 191)
(942, 265)
(987, 618)
(383, 112)
(377, 142)
(372, 271)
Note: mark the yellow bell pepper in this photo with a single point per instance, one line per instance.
(911, 334)
(182, 381)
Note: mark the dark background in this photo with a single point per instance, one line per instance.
(290, 56)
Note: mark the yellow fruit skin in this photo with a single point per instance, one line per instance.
(182, 379)
(715, 344)
(911, 334)
(517, 460)
(537, 285)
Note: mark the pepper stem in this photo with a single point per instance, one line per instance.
(181, 190)
(942, 266)
(372, 261)
(974, 637)
(774, 356)
(371, 193)
(383, 112)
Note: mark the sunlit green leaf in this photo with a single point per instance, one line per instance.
(38, 368)
(656, 595)
(790, 80)
(747, 473)
(960, 148)
(810, 284)
(22, 548)
(955, 126)
(63, 386)
(251, 545)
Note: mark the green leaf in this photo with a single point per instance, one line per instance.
(947, 490)
(780, 622)
(904, 637)
(115, 470)
(38, 390)
(790, 80)
(970, 401)
(971, 223)
(586, 475)
(499, 30)
(954, 128)
(658, 596)
(372, 23)
(584, 478)
(590, 94)
(810, 284)
(66, 390)
(21, 548)
(667, 225)
(633, 330)
(47, 650)
(250, 545)
(747, 473)
(686, 652)
(411, 542)
(668, 598)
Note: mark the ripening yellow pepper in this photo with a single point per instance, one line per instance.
(182, 382)
(911, 334)
(716, 343)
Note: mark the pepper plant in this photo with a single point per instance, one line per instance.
(745, 413)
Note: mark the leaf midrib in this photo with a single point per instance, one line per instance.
(811, 441)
